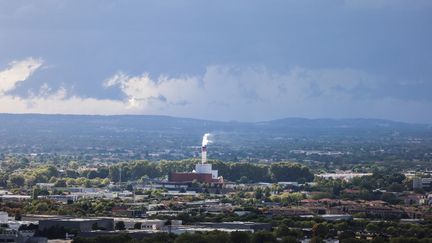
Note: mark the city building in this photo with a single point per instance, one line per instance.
(420, 183)
(80, 224)
(203, 172)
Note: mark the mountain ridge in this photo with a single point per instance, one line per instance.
(279, 120)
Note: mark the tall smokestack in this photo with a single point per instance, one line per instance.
(205, 141)
(203, 154)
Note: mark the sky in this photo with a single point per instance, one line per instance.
(226, 60)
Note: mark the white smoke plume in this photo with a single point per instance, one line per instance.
(206, 139)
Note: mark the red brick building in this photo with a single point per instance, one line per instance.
(191, 176)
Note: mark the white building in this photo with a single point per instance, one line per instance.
(206, 169)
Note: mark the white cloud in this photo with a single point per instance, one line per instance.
(18, 71)
(221, 93)
(47, 100)
(242, 93)
(56, 104)
(142, 91)
(245, 93)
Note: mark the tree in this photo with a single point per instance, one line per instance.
(258, 193)
(243, 180)
(60, 183)
(104, 239)
(405, 240)
(267, 192)
(289, 239)
(320, 230)
(120, 225)
(188, 237)
(16, 180)
(290, 172)
(217, 236)
(282, 231)
(158, 238)
(396, 187)
(73, 165)
(379, 239)
(316, 239)
(346, 234)
(240, 237)
(393, 231)
(137, 225)
(354, 240)
(372, 227)
(3, 179)
(263, 237)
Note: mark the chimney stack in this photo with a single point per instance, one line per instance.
(204, 154)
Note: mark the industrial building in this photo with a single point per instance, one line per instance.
(203, 172)
(81, 225)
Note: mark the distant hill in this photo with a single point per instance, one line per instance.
(28, 132)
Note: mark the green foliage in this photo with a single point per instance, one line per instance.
(320, 230)
(16, 181)
(372, 227)
(209, 237)
(287, 197)
(104, 239)
(240, 237)
(120, 225)
(137, 225)
(346, 234)
(405, 240)
(60, 183)
(284, 231)
(290, 172)
(289, 239)
(316, 239)
(140, 170)
(380, 180)
(379, 239)
(137, 170)
(263, 237)
(354, 240)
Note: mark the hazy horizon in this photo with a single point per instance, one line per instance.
(216, 120)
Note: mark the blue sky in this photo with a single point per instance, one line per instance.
(223, 60)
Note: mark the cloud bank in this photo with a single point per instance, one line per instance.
(46, 100)
(221, 93)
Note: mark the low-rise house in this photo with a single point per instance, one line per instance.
(46, 186)
(237, 225)
(336, 217)
(288, 211)
(417, 199)
(14, 197)
(419, 183)
(61, 198)
(126, 212)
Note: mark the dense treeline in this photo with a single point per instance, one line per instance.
(378, 186)
(282, 233)
(24, 174)
(244, 172)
